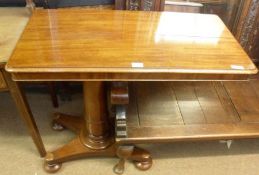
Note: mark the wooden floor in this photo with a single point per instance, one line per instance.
(166, 111)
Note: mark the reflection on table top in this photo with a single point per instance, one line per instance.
(12, 23)
(78, 40)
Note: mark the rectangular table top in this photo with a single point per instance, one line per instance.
(131, 43)
(12, 23)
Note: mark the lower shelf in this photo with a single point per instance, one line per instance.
(177, 111)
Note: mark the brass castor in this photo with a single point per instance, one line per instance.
(144, 165)
(51, 168)
(119, 168)
(57, 127)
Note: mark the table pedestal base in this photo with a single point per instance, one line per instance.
(77, 148)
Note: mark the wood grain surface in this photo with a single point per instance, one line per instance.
(110, 41)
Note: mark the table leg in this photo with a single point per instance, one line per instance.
(25, 112)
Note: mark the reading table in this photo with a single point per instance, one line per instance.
(147, 77)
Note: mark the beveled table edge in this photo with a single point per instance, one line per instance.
(126, 77)
(254, 70)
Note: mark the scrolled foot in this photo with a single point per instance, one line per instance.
(57, 127)
(119, 168)
(51, 168)
(141, 158)
(145, 165)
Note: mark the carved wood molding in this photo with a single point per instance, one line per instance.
(121, 122)
(246, 21)
(119, 98)
(146, 5)
(254, 45)
(133, 5)
(246, 28)
(140, 5)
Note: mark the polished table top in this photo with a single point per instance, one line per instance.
(12, 23)
(127, 42)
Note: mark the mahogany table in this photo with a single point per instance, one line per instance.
(116, 53)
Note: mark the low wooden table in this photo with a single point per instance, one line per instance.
(107, 49)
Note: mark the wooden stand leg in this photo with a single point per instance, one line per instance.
(65, 91)
(53, 94)
(25, 112)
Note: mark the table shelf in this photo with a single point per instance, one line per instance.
(179, 111)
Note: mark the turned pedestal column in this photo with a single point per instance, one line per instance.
(96, 133)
